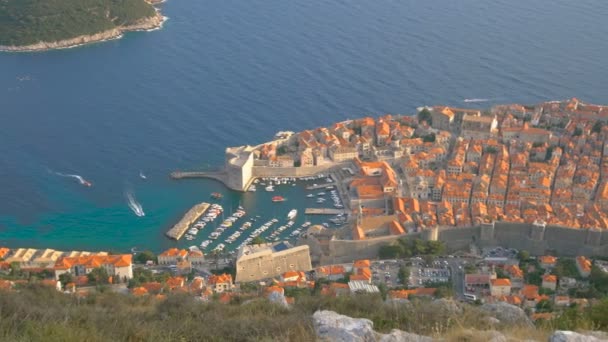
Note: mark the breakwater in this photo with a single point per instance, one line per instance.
(178, 230)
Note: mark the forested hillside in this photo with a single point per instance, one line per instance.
(24, 22)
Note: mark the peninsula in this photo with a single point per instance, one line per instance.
(38, 25)
(526, 176)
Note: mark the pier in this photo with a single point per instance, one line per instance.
(178, 230)
(217, 175)
(320, 186)
(325, 211)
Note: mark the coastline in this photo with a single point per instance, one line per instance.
(149, 24)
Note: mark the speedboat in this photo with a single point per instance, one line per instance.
(269, 188)
(310, 195)
(292, 214)
(278, 199)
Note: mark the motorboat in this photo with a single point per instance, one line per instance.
(292, 214)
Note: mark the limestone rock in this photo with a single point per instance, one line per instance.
(278, 298)
(507, 313)
(446, 306)
(571, 336)
(331, 326)
(401, 336)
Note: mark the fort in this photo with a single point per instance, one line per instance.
(537, 238)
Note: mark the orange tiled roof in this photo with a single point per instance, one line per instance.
(404, 294)
(362, 263)
(175, 282)
(174, 252)
(94, 261)
(3, 251)
(549, 278)
(139, 291)
(501, 282)
(220, 279)
(584, 263)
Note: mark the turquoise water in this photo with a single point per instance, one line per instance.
(223, 73)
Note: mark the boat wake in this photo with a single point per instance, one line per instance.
(476, 100)
(135, 206)
(78, 177)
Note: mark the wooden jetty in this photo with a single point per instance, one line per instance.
(180, 228)
(324, 211)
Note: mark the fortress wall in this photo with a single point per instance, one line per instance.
(350, 250)
(459, 238)
(263, 171)
(567, 241)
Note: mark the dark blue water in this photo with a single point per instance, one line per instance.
(230, 72)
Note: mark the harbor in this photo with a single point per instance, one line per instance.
(180, 228)
(272, 208)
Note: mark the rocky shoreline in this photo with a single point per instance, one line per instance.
(147, 24)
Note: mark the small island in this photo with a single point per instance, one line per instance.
(38, 25)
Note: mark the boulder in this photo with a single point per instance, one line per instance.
(401, 336)
(446, 306)
(507, 313)
(331, 326)
(571, 336)
(278, 298)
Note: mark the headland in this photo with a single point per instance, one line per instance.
(62, 27)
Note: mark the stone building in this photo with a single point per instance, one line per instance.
(257, 262)
(239, 166)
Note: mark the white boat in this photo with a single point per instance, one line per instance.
(310, 195)
(292, 214)
(269, 188)
(141, 175)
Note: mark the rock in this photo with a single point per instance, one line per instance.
(507, 313)
(278, 298)
(479, 335)
(402, 336)
(571, 336)
(492, 320)
(331, 326)
(446, 306)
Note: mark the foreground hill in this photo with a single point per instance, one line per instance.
(38, 313)
(46, 24)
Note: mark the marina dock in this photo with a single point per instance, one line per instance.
(325, 211)
(319, 186)
(178, 230)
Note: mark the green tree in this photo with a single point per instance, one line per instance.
(145, 256)
(523, 255)
(597, 127)
(491, 150)
(66, 278)
(577, 132)
(390, 251)
(15, 269)
(544, 305)
(425, 115)
(429, 138)
(403, 275)
(258, 240)
(435, 247)
(98, 276)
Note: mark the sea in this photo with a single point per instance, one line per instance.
(227, 73)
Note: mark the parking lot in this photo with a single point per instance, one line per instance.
(438, 272)
(386, 272)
